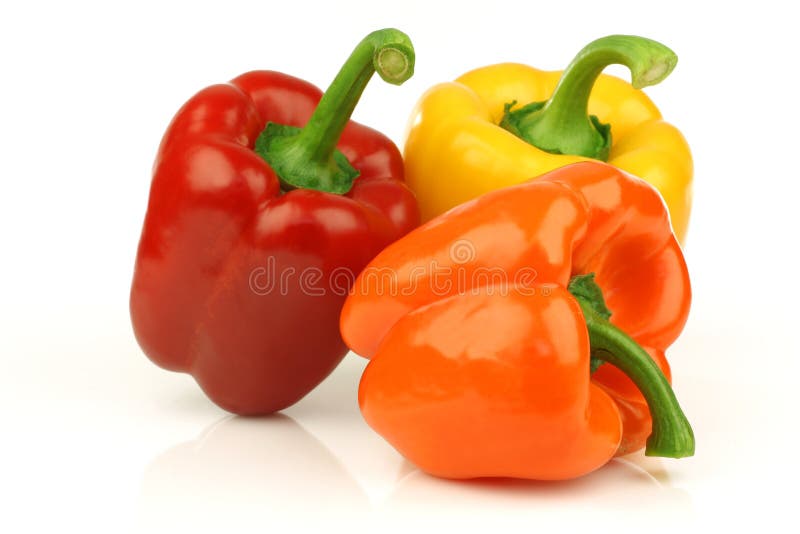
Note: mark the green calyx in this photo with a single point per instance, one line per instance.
(585, 289)
(307, 157)
(278, 145)
(562, 124)
(671, 435)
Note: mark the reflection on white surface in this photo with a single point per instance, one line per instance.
(259, 473)
(246, 473)
(622, 489)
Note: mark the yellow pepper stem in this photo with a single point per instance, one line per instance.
(562, 125)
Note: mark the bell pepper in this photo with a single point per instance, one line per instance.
(483, 325)
(504, 124)
(264, 198)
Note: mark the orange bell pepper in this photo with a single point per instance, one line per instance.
(482, 326)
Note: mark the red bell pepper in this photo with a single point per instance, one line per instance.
(256, 226)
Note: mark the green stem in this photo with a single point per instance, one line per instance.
(562, 125)
(307, 157)
(671, 434)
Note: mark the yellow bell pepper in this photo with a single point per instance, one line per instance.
(468, 137)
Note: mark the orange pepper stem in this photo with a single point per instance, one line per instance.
(562, 124)
(307, 157)
(672, 435)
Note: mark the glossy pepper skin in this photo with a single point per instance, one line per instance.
(233, 278)
(479, 355)
(456, 148)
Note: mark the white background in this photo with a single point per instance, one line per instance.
(96, 438)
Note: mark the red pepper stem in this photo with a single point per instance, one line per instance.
(389, 53)
(307, 157)
(562, 125)
(672, 435)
